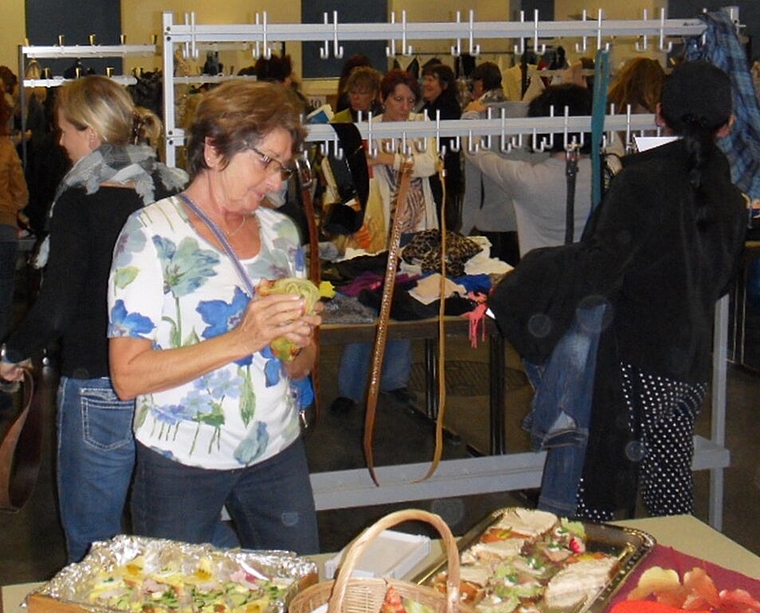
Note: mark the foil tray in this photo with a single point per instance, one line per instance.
(629, 545)
(67, 591)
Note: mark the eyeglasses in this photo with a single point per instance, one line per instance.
(401, 99)
(272, 165)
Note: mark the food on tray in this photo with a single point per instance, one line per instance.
(392, 603)
(530, 560)
(282, 348)
(141, 575)
(213, 585)
(695, 591)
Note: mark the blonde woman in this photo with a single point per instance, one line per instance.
(109, 180)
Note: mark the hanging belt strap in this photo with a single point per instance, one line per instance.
(306, 178)
(598, 114)
(571, 172)
(441, 340)
(381, 335)
(20, 452)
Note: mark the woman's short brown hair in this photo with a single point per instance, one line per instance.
(99, 103)
(239, 114)
(364, 78)
(394, 78)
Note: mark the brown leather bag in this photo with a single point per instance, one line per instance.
(20, 451)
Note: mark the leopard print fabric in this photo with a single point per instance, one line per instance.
(424, 250)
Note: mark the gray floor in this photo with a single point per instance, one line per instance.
(32, 544)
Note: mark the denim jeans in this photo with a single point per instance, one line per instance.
(96, 456)
(353, 374)
(8, 255)
(561, 410)
(271, 504)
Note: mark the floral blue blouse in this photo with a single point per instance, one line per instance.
(172, 287)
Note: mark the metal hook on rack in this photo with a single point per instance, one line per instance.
(455, 146)
(505, 143)
(488, 138)
(456, 50)
(519, 50)
(599, 19)
(405, 50)
(371, 145)
(473, 145)
(189, 48)
(256, 51)
(337, 149)
(474, 49)
(644, 45)
(324, 52)
(535, 35)
(534, 141)
(662, 47)
(583, 46)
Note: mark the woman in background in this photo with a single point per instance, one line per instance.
(439, 91)
(13, 197)
(109, 180)
(638, 86)
(399, 92)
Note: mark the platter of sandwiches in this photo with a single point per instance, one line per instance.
(529, 561)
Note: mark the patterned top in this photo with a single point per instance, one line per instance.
(170, 286)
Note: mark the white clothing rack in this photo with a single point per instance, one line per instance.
(37, 52)
(352, 488)
(191, 36)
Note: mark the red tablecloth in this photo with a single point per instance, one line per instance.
(667, 557)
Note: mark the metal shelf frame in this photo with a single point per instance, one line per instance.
(352, 488)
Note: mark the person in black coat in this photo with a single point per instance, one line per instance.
(660, 250)
(669, 234)
(439, 93)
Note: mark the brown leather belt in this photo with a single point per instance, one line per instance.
(381, 336)
(306, 178)
(20, 452)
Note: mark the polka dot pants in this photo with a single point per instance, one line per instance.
(662, 413)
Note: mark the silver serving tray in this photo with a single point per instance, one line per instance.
(629, 545)
(67, 591)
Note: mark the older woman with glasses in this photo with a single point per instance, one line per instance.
(217, 422)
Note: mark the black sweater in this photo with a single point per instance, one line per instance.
(71, 305)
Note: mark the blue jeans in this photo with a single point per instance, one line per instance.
(8, 255)
(353, 375)
(96, 456)
(271, 504)
(561, 410)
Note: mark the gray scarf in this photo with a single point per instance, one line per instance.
(131, 164)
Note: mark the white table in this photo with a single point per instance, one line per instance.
(682, 532)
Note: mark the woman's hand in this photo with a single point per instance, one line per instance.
(301, 365)
(13, 372)
(269, 317)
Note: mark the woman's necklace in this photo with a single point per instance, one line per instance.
(236, 230)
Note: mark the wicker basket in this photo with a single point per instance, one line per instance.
(366, 595)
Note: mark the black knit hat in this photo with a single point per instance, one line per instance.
(697, 91)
